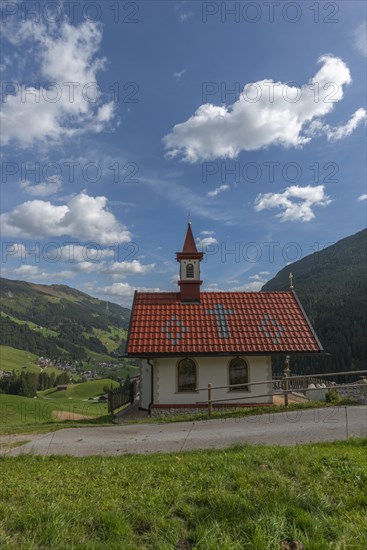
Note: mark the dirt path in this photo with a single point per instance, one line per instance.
(279, 399)
(68, 415)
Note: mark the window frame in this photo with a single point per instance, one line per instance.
(178, 388)
(247, 381)
(192, 270)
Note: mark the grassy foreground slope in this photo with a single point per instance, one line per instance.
(251, 497)
(23, 411)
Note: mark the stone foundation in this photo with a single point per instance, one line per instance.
(358, 393)
(158, 411)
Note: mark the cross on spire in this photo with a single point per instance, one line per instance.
(221, 316)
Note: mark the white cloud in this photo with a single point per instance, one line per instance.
(82, 217)
(206, 232)
(362, 197)
(26, 271)
(78, 259)
(254, 286)
(182, 11)
(218, 190)
(6, 62)
(295, 202)
(43, 189)
(334, 133)
(262, 116)
(67, 104)
(206, 241)
(124, 291)
(33, 273)
(123, 269)
(105, 112)
(360, 39)
(75, 253)
(179, 74)
(340, 132)
(184, 16)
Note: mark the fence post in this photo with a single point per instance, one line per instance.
(287, 371)
(132, 392)
(110, 403)
(210, 405)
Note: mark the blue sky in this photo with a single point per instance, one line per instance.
(116, 124)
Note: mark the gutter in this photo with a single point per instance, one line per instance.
(151, 385)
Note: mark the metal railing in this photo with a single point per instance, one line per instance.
(285, 390)
(124, 394)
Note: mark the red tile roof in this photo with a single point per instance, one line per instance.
(223, 323)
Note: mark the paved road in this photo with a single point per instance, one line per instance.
(282, 428)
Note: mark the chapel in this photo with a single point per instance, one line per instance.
(190, 338)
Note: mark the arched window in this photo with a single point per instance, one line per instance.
(238, 374)
(189, 271)
(186, 375)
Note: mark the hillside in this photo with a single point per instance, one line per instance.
(60, 322)
(332, 287)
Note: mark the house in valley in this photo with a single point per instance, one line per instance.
(190, 338)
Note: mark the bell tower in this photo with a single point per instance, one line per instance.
(189, 259)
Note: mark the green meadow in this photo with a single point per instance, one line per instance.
(17, 360)
(51, 407)
(83, 391)
(245, 497)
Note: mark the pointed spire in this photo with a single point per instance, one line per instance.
(189, 246)
(189, 259)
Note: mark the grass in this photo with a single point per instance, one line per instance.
(107, 337)
(85, 390)
(15, 359)
(24, 415)
(29, 415)
(78, 397)
(16, 410)
(246, 497)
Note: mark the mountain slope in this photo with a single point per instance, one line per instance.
(60, 322)
(332, 287)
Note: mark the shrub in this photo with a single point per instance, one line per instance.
(333, 396)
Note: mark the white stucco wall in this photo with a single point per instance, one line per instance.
(212, 370)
